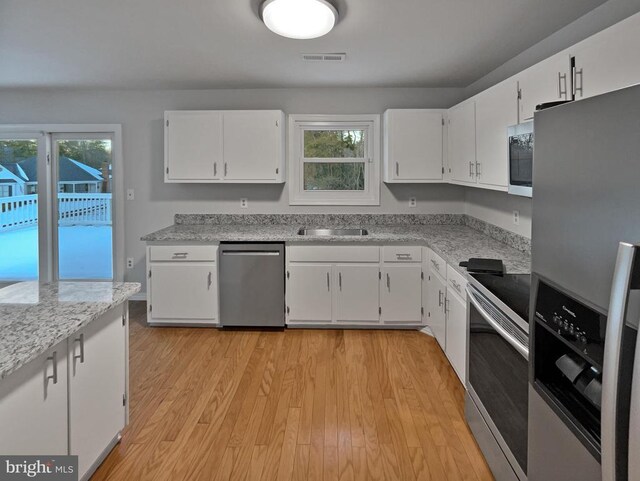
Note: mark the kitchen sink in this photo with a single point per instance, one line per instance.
(336, 232)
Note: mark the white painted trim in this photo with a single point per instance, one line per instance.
(371, 122)
(139, 296)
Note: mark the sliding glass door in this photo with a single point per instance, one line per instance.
(19, 253)
(57, 206)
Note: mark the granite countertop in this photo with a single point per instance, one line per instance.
(35, 317)
(455, 243)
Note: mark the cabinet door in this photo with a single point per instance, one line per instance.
(413, 145)
(609, 60)
(33, 406)
(357, 295)
(252, 145)
(401, 293)
(96, 387)
(462, 142)
(436, 294)
(184, 290)
(496, 109)
(547, 81)
(456, 348)
(309, 293)
(193, 145)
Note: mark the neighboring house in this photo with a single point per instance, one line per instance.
(74, 177)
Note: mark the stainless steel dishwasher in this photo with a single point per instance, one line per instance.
(252, 285)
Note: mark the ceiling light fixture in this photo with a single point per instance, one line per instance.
(299, 19)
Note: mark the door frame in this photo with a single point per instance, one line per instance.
(45, 171)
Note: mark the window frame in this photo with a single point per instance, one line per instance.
(368, 123)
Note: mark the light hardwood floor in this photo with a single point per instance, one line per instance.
(353, 405)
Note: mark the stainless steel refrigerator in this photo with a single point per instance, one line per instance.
(584, 395)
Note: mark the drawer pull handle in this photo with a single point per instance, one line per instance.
(435, 264)
(456, 285)
(180, 254)
(80, 339)
(403, 256)
(54, 360)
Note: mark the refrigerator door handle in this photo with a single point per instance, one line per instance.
(616, 320)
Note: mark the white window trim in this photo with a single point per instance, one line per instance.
(371, 194)
(45, 244)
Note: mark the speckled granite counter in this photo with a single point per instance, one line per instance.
(34, 317)
(454, 243)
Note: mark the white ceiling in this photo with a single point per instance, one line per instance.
(222, 43)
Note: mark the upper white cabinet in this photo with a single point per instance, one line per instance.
(608, 60)
(97, 386)
(33, 406)
(496, 109)
(207, 146)
(462, 142)
(192, 146)
(547, 81)
(413, 146)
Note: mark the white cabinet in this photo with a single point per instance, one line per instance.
(608, 60)
(309, 293)
(547, 81)
(192, 145)
(253, 145)
(462, 143)
(436, 294)
(97, 387)
(228, 146)
(456, 333)
(182, 285)
(413, 146)
(33, 406)
(401, 293)
(357, 298)
(496, 109)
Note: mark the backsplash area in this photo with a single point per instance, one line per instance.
(355, 220)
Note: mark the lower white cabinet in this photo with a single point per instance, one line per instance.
(33, 406)
(182, 285)
(97, 387)
(357, 298)
(436, 294)
(309, 293)
(401, 293)
(456, 333)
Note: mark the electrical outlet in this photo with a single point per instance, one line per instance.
(131, 195)
(129, 262)
(516, 217)
(412, 202)
(244, 203)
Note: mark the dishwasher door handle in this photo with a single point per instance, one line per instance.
(250, 253)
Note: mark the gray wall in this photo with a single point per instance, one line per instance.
(495, 207)
(141, 113)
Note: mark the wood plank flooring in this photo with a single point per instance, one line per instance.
(310, 405)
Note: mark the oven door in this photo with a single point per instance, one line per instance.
(498, 376)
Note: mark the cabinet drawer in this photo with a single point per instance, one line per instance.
(456, 282)
(183, 253)
(356, 253)
(437, 264)
(402, 254)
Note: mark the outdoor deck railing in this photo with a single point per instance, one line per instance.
(73, 209)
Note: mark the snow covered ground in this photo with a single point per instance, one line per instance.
(85, 253)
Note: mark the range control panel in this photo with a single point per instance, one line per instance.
(570, 319)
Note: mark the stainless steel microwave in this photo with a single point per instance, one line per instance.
(520, 139)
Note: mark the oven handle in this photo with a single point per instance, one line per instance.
(523, 350)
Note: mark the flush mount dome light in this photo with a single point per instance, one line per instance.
(299, 19)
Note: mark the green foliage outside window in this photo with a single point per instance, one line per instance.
(90, 152)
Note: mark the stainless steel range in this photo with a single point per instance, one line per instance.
(496, 406)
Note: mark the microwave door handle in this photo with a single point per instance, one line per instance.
(618, 317)
(523, 350)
